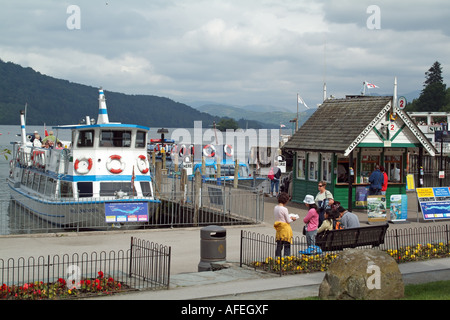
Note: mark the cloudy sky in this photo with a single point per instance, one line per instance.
(229, 51)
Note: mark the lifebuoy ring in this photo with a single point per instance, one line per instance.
(173, 150)
(142, 164)
(182, 151)
(109, 163)
(83, 165)
(228, 149)
(392, 117)
(209, 150)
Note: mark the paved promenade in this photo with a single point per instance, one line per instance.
(231, 283)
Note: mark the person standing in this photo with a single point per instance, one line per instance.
(376, 181)
(385, 181)
(311, 220)
(274, 176)
(282, 226)
(323, 199)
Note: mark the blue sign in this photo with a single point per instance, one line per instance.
(126, 212)
(434, 202)
(399, 207)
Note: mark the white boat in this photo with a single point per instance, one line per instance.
(101, 180)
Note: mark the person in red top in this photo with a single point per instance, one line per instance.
(385, 181)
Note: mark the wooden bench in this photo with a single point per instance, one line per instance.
(351, 238)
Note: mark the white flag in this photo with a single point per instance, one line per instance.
(300, 100)
(370, 85)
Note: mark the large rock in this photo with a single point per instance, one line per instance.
(362, 274)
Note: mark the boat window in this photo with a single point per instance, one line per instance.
(85, 189)
(86, 138)
(145, 187)
(42, 184)
(243, 172)
(115, 138)
(30, 179)
(36, 179)
(51, 187)
(66, 189)
(24, 177)
(140, 139)
(108, 189)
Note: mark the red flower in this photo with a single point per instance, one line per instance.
(100, 274)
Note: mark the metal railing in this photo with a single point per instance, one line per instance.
(212, 204)
(145, 266)
(409, 244)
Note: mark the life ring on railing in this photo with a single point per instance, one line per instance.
(209, 150)
(83, 165)
(173, 150)
(142, 164)
(117, 158)
(191, 149)
(228, 150)
(182, 151)
(392, 117)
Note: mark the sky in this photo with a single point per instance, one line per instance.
(246, 52)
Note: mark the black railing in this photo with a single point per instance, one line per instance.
(404, 245)
(145, 266)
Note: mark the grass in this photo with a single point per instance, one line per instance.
(439, 290)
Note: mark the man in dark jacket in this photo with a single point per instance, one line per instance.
(376, 180)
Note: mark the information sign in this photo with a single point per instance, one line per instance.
(434, 202)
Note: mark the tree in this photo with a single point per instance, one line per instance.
(227, 123)
(433, 96)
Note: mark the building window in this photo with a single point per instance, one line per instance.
(326, 167)
(313, 167)
(393, 165)
(301, 166)
(343, 170)
(368, 163)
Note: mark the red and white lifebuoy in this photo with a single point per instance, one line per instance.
(142, 164)
(83, 165)
(111, 164)
(228, 150)
(209, 150)
(183, 151)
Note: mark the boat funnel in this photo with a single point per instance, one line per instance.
(102, 111)
(22, 126)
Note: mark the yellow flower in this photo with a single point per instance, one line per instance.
(69, 291)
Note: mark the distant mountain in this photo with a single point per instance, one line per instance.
(267, 115)
(55, 101)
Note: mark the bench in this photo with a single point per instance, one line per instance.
(351, 238)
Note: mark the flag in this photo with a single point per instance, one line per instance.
(300, 100)
(282, 125)
(45, 130)
(370, 85)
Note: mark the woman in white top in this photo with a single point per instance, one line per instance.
(282, 225)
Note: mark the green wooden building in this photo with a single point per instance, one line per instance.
(343, 141)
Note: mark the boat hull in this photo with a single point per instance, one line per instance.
(90, 215)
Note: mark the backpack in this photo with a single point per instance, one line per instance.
(271, 175)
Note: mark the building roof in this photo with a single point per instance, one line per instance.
(341, 124)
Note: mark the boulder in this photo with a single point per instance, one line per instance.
(362, 274)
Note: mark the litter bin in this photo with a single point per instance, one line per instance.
(212, 247)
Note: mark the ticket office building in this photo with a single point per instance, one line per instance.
(343, 141)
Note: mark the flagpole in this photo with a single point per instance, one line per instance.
(296, 122)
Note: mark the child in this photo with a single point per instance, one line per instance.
(311, 219)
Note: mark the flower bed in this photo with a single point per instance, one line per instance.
(315, 263)
(61, 289)
(420, 252)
